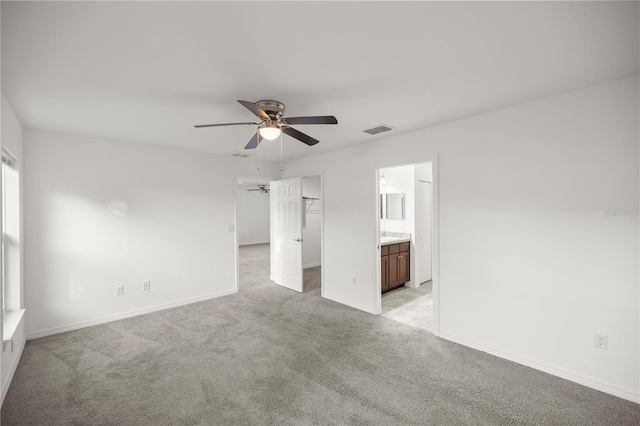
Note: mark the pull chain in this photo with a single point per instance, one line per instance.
(258, 139)
(281, 152)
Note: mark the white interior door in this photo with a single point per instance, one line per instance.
(286, 233)
(423, 230)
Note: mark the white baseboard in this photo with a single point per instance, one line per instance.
(129, 314)
(252, 243)
(572, 376)
(311, 265)
(12, 372)
(349, 303)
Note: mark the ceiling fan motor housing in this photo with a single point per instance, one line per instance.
(274, 109)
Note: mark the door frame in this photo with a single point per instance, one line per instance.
(435, 238)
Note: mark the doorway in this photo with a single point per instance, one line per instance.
(252, 232)
(255, 252)
(406, 207)
(312, 234)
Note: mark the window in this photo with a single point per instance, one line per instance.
(8, 162)
(10, 249)
(10, 258)
(4, 232)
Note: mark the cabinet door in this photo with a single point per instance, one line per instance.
(394, 277)
(403, 267)
(384, 273)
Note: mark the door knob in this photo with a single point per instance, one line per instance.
(298, 239)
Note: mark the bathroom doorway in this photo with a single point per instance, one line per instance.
(406, 244)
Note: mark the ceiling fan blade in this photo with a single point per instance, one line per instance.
(198, 126)
(260, 189)
(255, 109)
(318, 119)
(300, 136)
(253, 143)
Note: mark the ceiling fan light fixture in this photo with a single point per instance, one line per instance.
(270, 130)
(273, 123)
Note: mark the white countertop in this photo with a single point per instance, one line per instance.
(392, 240)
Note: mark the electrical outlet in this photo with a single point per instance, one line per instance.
(146, 286)
(354, 281)
(601, 341)
(119, 290)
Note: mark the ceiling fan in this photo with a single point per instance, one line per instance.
(273, 124)
(261, 188)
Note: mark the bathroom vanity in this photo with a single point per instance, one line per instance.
(394, 263)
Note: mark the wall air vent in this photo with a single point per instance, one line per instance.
(378, 129)
(239, 154)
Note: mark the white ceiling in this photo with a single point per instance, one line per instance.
(147, 72)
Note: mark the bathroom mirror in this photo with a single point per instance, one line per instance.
(395, 206)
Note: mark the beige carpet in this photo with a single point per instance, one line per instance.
(254, 269)
(272, 356)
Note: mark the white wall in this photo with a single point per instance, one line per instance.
(102, 213)
(311, 252)
(530, 265)
(12, 139)
(253, 215)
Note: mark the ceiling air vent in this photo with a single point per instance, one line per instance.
(239, 154)
(378, 129)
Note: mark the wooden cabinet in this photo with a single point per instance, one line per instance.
(394, 266)
(384, 275)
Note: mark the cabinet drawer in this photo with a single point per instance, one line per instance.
(384, 251)
(404, 246)
(394, 248)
